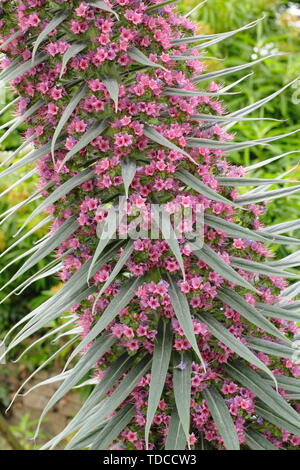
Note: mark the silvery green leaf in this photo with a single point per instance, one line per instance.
(291, 291)
(223, 335)
(164, 224)
(200, 4)
(222, 418)
(39, 340)
(8, 105)
(71, 52)
(255, 166)
(248, 311)
(112, 87)
(56, 21)
(222, 72)
(269, 415)
(27, 159)
(152, 134)
(213, 38)
(128, 249)
(182, 312)
(21, 180)
(168, 91)
(283, 227)
(271, 348)
(228, 181)
(182, 370)
(16, 123)
(62, 233)
(268, 196)
(83, 366)
(138, 56)
(256, 441)
(158, 6)
(112, 402)
(232, 229)
(253, 106)
(59, 192)
(10, 39)
(94, 131)
(214, 261)
(128, 173)
(70, 108)
(38, 369)
(113, 374)
(50, 315)
(23, 68)
(195, 183)
(113, 428)
(30, 232)
(118, 302)
(279, 239)
(229, 146)
(290, 384)
(102, 6)
(176, 439)
(266, 269)
(160, 365)
(105, 233)
(252, 380)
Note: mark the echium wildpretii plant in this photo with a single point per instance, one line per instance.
(189, 344)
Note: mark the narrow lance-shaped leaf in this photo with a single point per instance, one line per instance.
(63, 232)
(105, 232)
(176, 439)
(120, 301)
(138, 56)
(223, 335)
(162, 220)
(73, 50)
(29, 112)
(111, 403)
(128, 173)
(262, 163)
(73, 103)
(271, 348)
(128, 249)
(248, 311)
(112, 87)
(183, 315)
(212, 259)
(222, 417)
(102, 6)
(59, 193)
(94, 131)
(252, 380)
(160, 365)
(56, 21)
(256, 441)
(154, 135)
(261, 268)
(235, 230)
(182, 369)
(196, 184)
(222, 72)
(268, 196)
(97, 350)
(113, 428)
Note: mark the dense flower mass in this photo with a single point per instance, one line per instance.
(111, 98)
